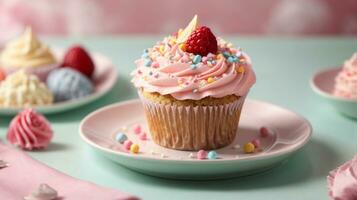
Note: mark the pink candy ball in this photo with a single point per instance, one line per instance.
(256, 143)
(127, 144)
(201, 154)
(264, 132)
(137, 129)
(142, 136)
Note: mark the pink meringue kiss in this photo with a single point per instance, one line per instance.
(29, 130)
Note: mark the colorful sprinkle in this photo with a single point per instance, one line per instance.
(156, 75)
(201, 154)
(232, 59)
(256, 143)
(137, 129)
(219, 56)
(121, 137)
(150, 73)
(142, 136)
(204, 59)
(182, 47)
(134, 148)
(161, 49)
(191, 155)
(210, 80)
(240, 69)
(249, 147)
(147, 62)
(197, 59)
(155, 64)
(145, 55)
(226, 54)
(145, 51)
(264, 132)
(195, 90)
(212, 155)
(127, 144)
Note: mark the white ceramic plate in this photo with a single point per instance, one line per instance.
(104, 79)
(323, 83)
(289, 132)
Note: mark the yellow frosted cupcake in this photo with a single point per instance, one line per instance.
(193, 87)
(29, 54)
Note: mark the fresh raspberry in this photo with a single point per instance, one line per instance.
(201, 41)
(77, 58)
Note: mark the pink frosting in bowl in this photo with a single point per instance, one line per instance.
(167, 69)
(29, 130)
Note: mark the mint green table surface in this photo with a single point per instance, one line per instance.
(283, 67)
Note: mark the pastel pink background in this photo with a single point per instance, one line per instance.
(93, 17)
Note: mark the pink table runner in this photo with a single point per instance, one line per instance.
(24, 175)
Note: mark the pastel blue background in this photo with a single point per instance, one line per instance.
(283, 67)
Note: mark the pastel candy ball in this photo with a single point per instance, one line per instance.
(67, 84)
(249, 147)
(121, 137)
(264, 132)
(212, 155)
(142, 136)
(134, 148)
(256, 143)
(137, 129)
(201, 154)
(127, 144)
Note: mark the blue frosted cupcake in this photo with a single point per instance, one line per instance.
(68, 84)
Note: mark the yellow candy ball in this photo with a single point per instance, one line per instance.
(249, 147)
(210, 80)
(134, 148)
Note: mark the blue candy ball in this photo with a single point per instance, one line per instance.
(212, 155)
(121, 137)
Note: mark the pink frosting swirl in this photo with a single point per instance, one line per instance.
(346, 80)
(29, 130)
(167, 69)
(342, 182)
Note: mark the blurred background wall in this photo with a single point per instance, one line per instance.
(97, 17)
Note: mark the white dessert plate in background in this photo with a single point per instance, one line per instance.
(323, 83)
(104, 79)
(289, 133)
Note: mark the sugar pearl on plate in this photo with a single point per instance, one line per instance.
(142, 136)
(134, 148)
(256, 143)
(201, 154)
(137, 129)
(264, 132)
(127, 144)
(212, 155)
(249, 147)
(121, 137)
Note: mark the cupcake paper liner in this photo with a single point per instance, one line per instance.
(193, 127)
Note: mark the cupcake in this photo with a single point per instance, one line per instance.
(29, 54)
(24, 90)
(346, 80)
(68, 84)
(193, 87)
